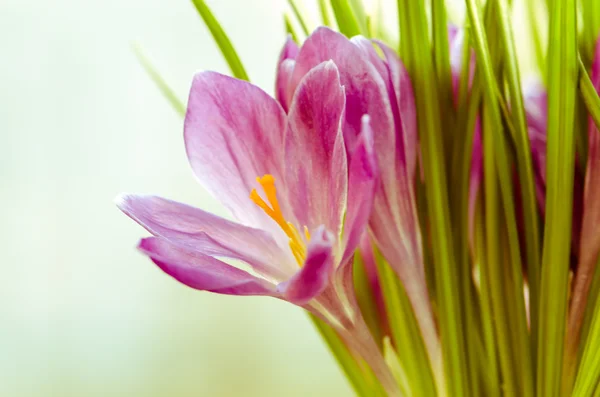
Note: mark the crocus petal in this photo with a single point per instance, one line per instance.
(406, 113)
(234, 134)
(315, 274)
(203, 272)
(285, 67)
(316, 165)
(206, 233)
(366, 92)
(362, 181)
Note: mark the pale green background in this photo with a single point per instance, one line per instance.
(82, 313)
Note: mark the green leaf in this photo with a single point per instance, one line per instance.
(324, 10)
(589, 94)
(406, 332)
(415, 52)
(289, 28)
(300, 16)
(220, 37)
(562, 90)
(524, 164)
(365, 295)
(345, 17)
(503, 251)
(589, 370)
(162, 85)
(345, 359)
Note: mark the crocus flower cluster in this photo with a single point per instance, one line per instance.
(437, 217)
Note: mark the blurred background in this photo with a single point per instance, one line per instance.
(82, 313)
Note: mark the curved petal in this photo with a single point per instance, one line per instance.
(406, 122)
(362, 181)
(315, 275)
(206, 233)
(316, 165)
(366, 91)
(203, 272)
(233, 134)
(285, 68)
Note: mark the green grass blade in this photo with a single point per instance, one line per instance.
(515, 348)
(345, 18)
(324, 11)
(562, 89)
(589, 370)
(589, 94)
(415, 50)
(289, 28)
(160, 82)
(524, 165)
(406, 333)
(365, 295)
(532, 19)
(349, 365)
(220, 37)
(300, 16)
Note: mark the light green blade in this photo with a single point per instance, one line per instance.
(160, 82)
(231, 56)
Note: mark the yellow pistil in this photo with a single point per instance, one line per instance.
(296, 242)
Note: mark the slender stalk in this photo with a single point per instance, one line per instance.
(222, 40)
(416, 52)
(562, 85)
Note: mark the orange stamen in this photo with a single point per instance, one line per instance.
(296, 242)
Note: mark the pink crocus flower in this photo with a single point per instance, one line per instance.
(301, 193)
(379, 86)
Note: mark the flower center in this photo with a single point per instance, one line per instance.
(296, 242)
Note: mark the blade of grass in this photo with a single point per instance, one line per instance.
(405, 332)
(300, 16)
(589, 370)
(589, 94)
(324, 11)
(532, 19)
(289, 28)
(524, 166)
(160, 82)
(220, 37)
(345, 17)
(415, 50)
(562, 87)
(349, 365)
(517, 351)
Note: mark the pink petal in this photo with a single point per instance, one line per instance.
(203, 272)
(234, 134)
(314, 276)
(206, 233)
(362, 181)
(366, 91)
(316, 165)
(406, 112)
(285, 67)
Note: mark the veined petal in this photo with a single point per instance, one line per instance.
(316, 165)
(406, 113)
(234, 134)
(366, 92)
(362, 181)
(315, 275)
(285, 68)
(203, 272)
(208, 234)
